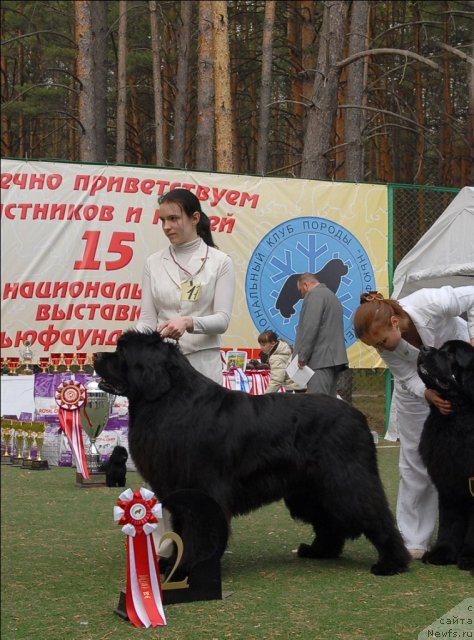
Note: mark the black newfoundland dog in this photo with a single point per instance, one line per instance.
(244, 451)
(115, 467)
(447, 449)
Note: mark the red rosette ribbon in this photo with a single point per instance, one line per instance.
(138, 512)
(70, 396)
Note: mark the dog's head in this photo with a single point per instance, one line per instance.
(138, 368)
(449, 370)
(119, 455)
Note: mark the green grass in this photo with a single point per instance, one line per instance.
(63, 566)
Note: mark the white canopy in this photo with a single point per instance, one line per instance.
(444, 255)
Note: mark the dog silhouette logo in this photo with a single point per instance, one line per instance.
(300, 245)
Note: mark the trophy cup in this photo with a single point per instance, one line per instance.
(43, 364)
(38, 434)
(3, 363)
(27, 358)
(20, 443)
(7, 440)
(68, 361)
(81, 361)
(97, 409)
(55, 361)
(29, 438)
(13, 364)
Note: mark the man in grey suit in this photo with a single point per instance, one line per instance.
(320, 335)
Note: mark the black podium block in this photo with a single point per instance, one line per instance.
(204, 531)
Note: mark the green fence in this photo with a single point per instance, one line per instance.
(412, 210)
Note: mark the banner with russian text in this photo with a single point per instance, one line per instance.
(75, 237)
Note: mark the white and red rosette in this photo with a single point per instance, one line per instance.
(138, 511)
(70, 396)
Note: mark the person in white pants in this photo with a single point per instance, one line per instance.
(397, 329)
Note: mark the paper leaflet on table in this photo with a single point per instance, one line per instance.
(300, 376)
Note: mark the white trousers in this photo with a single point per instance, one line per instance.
(417, 503)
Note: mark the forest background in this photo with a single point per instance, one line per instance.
(363, 91)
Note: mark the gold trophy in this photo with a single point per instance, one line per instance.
(38, 433)
(19, 444)
(29, 438)
(7, 440)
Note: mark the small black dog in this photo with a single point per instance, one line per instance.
(447, 449)
(116, 467)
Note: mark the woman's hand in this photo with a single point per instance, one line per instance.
(443, 406)
(176, 327)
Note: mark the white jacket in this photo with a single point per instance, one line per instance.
(161, 297)
(435, 314)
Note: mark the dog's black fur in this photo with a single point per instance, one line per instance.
(447, 449)
(116, 467)
(314, 451)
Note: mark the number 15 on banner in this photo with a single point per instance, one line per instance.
(118, 245)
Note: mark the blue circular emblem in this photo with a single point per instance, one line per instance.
(300, 245)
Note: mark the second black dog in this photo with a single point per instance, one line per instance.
(116, 467)
(447, 449)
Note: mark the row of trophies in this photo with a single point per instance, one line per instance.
(53, 363)
(21, 443)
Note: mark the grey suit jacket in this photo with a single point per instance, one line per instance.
(320, 333)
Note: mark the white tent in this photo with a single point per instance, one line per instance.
(445, 254)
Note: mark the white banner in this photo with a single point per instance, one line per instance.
(75, 238)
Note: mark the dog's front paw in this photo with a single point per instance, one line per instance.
(440, 555)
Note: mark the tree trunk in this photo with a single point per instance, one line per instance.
(223, 98)
(157, 88)
(122, 83)
(90, 27)
(205, 94)
(354, 119)
(99, 55)
(324, 99)
(184, 42)
(85, 74)
(265, 87)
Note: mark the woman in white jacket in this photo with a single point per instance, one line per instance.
(397, 329)
(279, 357)
(188, 288)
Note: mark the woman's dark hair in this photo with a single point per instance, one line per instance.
(267, 336)
(189, 203)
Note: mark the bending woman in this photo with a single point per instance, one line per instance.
(397, 330)
(188, 288)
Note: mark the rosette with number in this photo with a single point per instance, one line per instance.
(138, 512)
(70, 396)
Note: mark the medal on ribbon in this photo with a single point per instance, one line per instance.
(70, 396)
(138, 512)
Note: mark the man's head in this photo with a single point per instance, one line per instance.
(306, 282)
